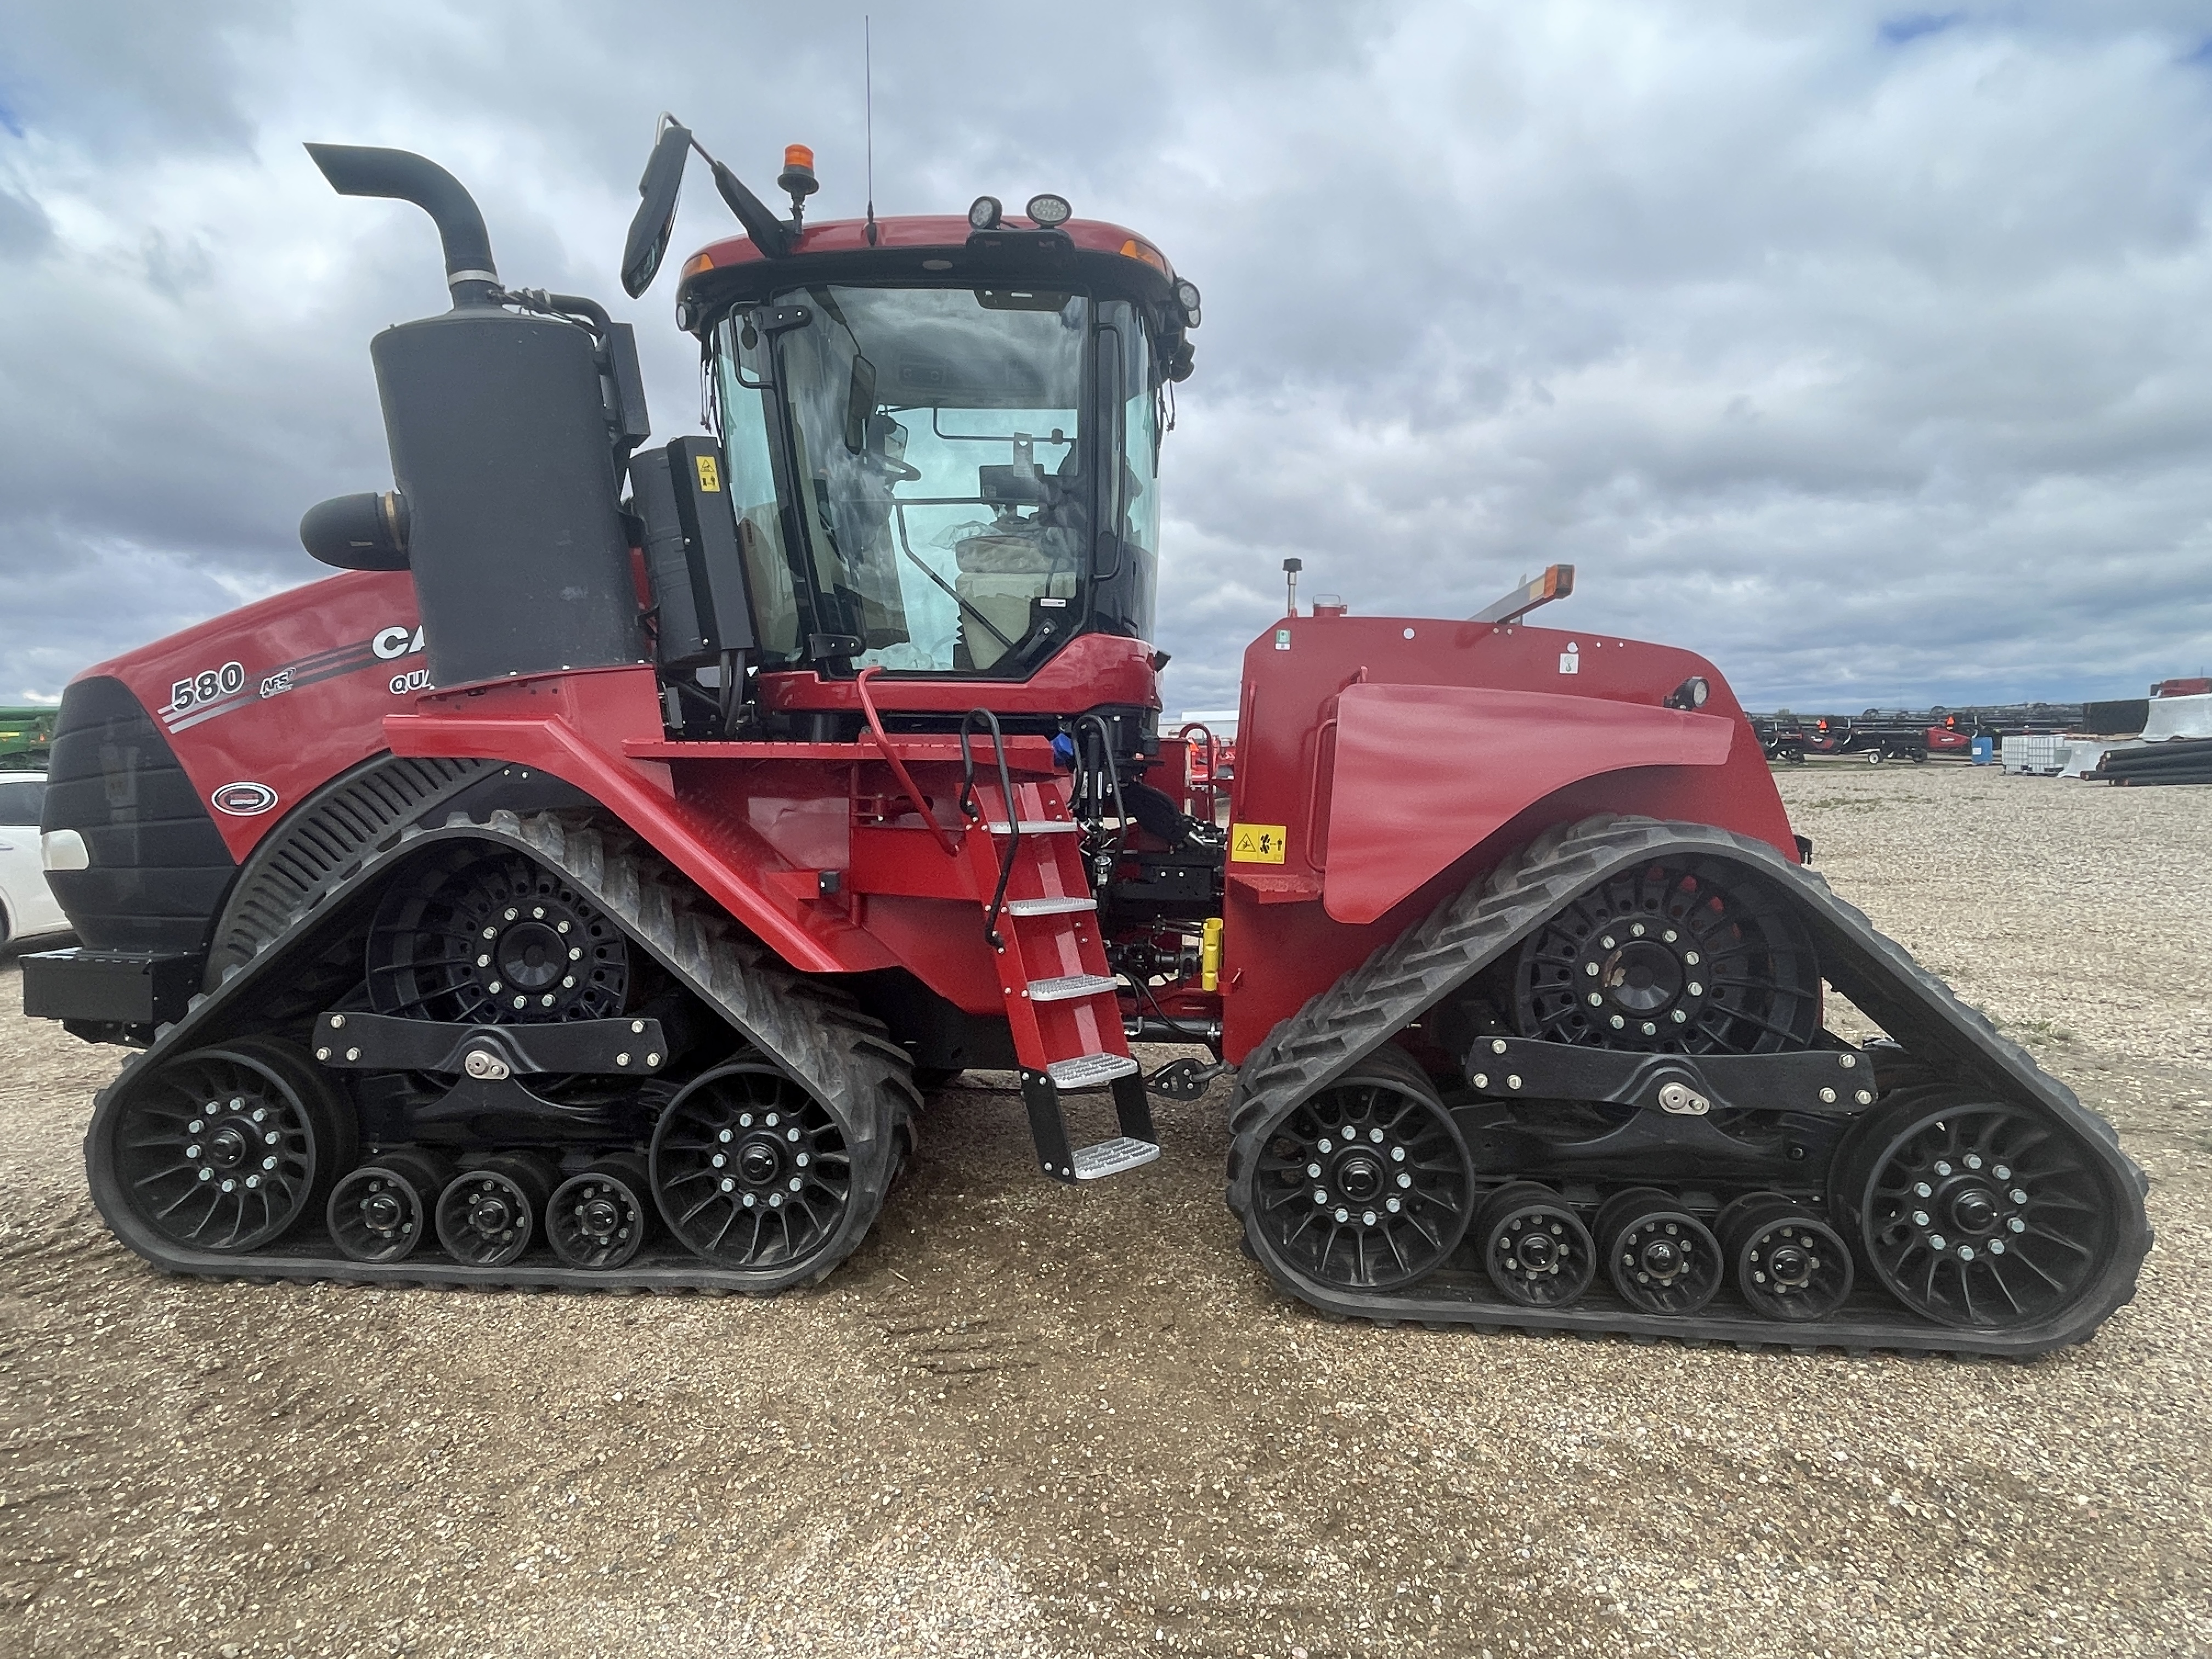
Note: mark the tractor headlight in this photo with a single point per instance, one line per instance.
(1049, 210)
(1690, 693)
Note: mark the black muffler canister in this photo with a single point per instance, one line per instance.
(499, 444)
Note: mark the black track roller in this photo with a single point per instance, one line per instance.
(1786, 1262)
(486, 1215)
(599, 1219)
(1535, 1246)
(383, 1210)
(1663, 1258)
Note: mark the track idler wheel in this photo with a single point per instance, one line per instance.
(225, 1148)
(1972, 1211)
(753, 1173)
(1787, 1264)
(1368, 1185)
(384, 1209)
(599, 1218)
(1535, 1246)
(1663, 1258)
(488, 1215)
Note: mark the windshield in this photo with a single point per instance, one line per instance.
(939, 455)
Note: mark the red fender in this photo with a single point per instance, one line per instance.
(1423, 773)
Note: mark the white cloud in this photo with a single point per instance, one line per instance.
(1864, 352)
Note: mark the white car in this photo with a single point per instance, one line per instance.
(27, 903)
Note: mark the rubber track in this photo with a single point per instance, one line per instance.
(810, 1029)
(1364, 1009)
(319, 847)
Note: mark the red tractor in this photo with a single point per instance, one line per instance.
(588, 887)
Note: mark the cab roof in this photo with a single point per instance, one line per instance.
(924, 248)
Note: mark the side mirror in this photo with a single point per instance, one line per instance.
(656, 209)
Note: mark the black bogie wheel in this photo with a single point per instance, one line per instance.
(599, 1218)
(494, 938)
(1787, 1263)
(1534, 1247)
(488, 1215)
(1662, 1259)
(1974, 1213)
(751, 1171)
(1368, 1185)
(225, 1148)
(383, 1211)
(1682, 956)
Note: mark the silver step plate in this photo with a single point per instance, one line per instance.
(1049, 907)
(1089, 1071)
(1069, 987)
(1037, 827)
(1112, 1156)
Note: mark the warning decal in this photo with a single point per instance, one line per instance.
(1257, 843)
(710, 475)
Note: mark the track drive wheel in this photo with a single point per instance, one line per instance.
(1684, 955)
(496, 938)
(1368, 1185)
(383, 1210)
(488, 1215)
(225, 1148)
(1973, 1211)
(1663, 1258)
(1787, 1263)
(1535, 1246)
(755, 1174)
(600, 1218)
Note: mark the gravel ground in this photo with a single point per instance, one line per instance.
(1027, 1420)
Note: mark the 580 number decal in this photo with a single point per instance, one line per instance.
(207, 685)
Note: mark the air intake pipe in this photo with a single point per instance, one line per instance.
(499, 426)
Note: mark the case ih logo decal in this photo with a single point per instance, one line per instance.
(213, 692)
(243, 800)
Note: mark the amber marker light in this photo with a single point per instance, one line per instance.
(1134, 249)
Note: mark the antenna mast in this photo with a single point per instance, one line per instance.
(868, 101)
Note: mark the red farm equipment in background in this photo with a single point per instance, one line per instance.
(589, 886)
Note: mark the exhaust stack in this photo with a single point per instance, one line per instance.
(503, 432)
(404, 176)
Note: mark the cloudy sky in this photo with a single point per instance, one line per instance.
(1867, 350)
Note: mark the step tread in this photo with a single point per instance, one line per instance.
(1048, 907)
(1036, 826)
(1112, 1156)
(1068, 986)
(1089, 1071)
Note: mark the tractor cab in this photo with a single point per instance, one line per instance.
(939, 437)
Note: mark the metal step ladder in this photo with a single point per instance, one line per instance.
(1026, 854)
